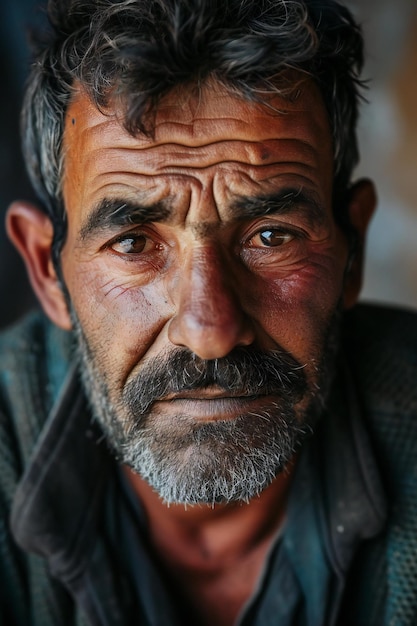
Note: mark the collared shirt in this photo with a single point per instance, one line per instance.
(70, 509)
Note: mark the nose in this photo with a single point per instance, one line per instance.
(210, 320)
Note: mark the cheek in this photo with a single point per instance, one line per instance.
(295, 310)
(119, 320)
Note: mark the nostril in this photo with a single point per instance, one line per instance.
(211, 336)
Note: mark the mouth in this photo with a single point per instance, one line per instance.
(207, 393)
(213, 405)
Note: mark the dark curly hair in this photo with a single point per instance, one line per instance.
(139, 50)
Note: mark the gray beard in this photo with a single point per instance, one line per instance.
(222, 461)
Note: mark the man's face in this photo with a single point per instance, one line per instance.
(205, 271)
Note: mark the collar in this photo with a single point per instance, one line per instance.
(336, 502)
(56, 504)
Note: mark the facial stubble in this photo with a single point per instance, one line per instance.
(186, 460)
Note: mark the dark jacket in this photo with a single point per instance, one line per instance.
(38, 379)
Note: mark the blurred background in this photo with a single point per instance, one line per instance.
(15, 18)
(387, 133)
(388, 145)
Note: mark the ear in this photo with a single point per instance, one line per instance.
(361, 207)
(31, 232)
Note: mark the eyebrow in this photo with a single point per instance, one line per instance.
(285, 202)
(109, 213)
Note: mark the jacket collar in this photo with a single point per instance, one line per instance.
(56, 503)
(336, 502)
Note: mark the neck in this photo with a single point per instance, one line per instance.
(215, 532)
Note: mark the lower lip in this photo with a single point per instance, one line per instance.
(215, 409)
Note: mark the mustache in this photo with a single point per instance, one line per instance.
(245, 371)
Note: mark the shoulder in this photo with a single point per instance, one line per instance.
(33, 334)
(374, 327)
(381, 347)
(34, 360)
(33, 342)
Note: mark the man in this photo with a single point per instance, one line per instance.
(202, 430)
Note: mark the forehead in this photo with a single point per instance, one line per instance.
(185, 113)
(195, 133)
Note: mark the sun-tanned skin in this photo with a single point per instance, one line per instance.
(204, 279)
(238, 246)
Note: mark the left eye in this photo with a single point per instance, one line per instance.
(132, 244)
(271, 238)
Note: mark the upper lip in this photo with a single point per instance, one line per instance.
(206, 394)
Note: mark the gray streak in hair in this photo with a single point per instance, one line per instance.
(140, 50)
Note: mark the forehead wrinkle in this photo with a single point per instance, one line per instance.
(167, 155)
(198, 127)
(173, 119)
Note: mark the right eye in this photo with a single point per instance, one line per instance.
(133, 244)
(271, 238)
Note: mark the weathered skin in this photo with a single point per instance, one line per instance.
(202, 274)
(204, 279)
